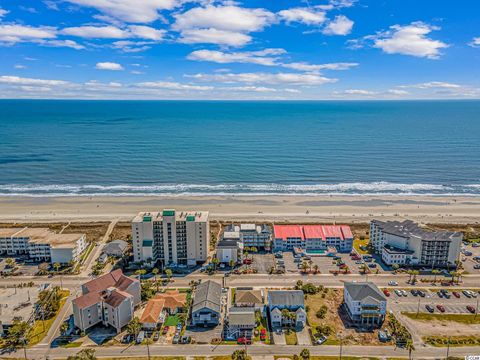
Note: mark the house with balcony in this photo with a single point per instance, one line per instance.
(287, 308)
(207, 304)
(240, 323)
(365, 304)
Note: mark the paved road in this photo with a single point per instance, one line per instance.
(40, 352)
(92, 257)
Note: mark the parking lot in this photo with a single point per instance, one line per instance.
(413, 304)
(262, 262)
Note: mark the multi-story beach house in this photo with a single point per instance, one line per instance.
(207, 304)
(312, 238)
(251, 235)
(172, 237)
(406, 243)
(42, 244)
(290, 300)
(366, 305)
(109, 300)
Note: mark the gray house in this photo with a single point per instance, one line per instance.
(206, 305)
(115, 248)
(291, 300)
(241, 323)
(366, 305)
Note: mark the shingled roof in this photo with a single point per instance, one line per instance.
(208, 295)
(364, 292)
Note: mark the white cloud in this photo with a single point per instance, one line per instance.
(341, 25)
(136, 11)
(266, 57)
(16, 80)
(214, 36)
(109, 66)
(3, 12)
(252, 57)
(397, 92)
(475, 42)
(250, 88)
(308, 16)
(147, 32)
(170, 85)
(62, 43)
(223, 25)
(20, 33)
(360, 92)
(132, 46)
(229, 18)
(265, 78)
(19, 66)
(409, 40)
(433, 85)
(95, 32)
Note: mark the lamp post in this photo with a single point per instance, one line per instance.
(448, 348)
(476, 308)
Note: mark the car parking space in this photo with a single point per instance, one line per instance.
(325, 264)
(303, 337)
(203, 335)
(262, 263)
(290, 264)
(279, 337)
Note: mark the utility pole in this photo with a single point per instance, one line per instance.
(476, 309)
(448, 348)
(418, 306)
(148, 348)
(341, 348)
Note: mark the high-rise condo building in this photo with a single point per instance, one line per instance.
(171, 237)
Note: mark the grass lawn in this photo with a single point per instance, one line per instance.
(73, 344)
(262, 325)
(455, 341)
(144, 358)
(458, 318)
(86, 252)
(291, 337)
(276, 357)
(38, 332)
(232, 296)
(357, 243)
(172, 320)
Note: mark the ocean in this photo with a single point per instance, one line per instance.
(149, 148)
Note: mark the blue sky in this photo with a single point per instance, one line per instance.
(271, 49)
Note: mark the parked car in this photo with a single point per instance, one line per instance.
(440, 294)
(476, 266)
(404, 293)
(441, 308)
(386, 292)
(320, 340)
(392, 283)
(467, 293)
(471, 309)
(165, 330)
(140, 337)
(398, 292)
(414, 292)
(176, 339)
(244, 341)
(156, 336)
(429, 308)
(421, 293)
(456, 294)
(185, 340)
(372, 265)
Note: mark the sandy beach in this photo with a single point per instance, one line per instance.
(350, 209)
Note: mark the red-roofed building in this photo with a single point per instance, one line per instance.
(312, 237)
(109, 300)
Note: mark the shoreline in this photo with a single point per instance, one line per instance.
(300, 208)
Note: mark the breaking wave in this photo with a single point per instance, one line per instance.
(355, 188)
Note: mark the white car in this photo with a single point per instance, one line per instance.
(398, 292)
(404, 293)
(392, 283)
(320, 340)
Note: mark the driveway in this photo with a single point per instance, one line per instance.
(303, 336)
(279, 339)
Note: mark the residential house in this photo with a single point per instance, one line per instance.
(160, 306)
(290, 300)
(109, 300)
(251, 235)
(241, 323)
(230, 250)
(207, 304)
(249, 298)
(366, 305)
(116, 248)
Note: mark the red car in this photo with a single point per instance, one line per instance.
(456, 294)
(247, 261)
(263, 335)
(471, 309)
(386, 292)
(165, 330)
(244, 340)
(441, 308)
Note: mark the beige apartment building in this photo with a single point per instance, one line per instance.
(171, 237)
(42, 244)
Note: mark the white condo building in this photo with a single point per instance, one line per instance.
(42, 244)
(250, 235)
(172, 237)
(406, 243)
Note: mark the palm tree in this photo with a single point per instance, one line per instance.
(63, 328)
(410, 273)
(305, 354)
(409, 346)
(168, 273)
(140, 272)
(56, 266)
(304, 267)
(435, 272)
(231, 263)
(134, 326)
(10, 262)
(285, 314)
(415, 273)
(215, 262)
(315, 268)
(155, 272)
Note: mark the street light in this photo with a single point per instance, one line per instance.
(448, 348)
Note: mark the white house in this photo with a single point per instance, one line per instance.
(291, 300)
(366, 305)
